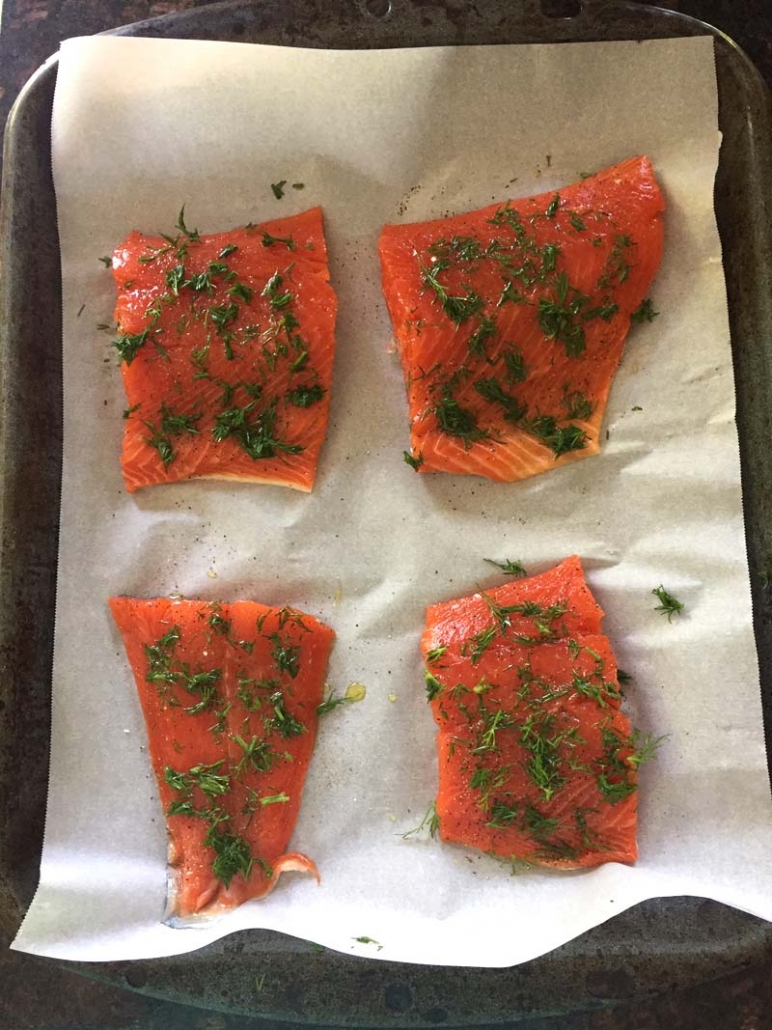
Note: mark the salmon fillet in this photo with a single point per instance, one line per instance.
(536, 760)
(226, 345)
(229, 693)
(510, 321)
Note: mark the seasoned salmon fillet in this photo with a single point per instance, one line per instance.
(229, 693)
(510, 321)
(226, 345)
(536, 760)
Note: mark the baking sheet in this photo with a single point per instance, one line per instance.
(141, 126)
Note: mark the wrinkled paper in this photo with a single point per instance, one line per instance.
(141, 126)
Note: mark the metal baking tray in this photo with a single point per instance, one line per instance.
(655, 946)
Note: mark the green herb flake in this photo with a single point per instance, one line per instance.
(351, 697)
(515, 366)
(577, 405)
(544, 765)
(494, 722)
(242, 291)
(481, 642)
(269, 241)
(256, 433)
(550, 253)
(509, 567)
(645, 313)
(222, 315)
(278, 188)
(458, 308)
(300, 362)
(668, 605)
(219, 624)
(435, 654)
(558, 318)
(430, 822)
(502, 816)
(491, 390)
(560, 439)
(477, 341)
(286, 656)
(232, 854)
(192, 234)
(454, 420)
(272, 290)
(129, 344)
(305, 396)
(415, 462)
(433, 685)
(283, 723)
(175, 278)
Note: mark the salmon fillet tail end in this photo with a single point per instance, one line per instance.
(229, 692)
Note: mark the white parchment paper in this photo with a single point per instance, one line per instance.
(141, 126)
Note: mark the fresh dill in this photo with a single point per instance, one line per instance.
(305, 396)
(435, 654)
(129, 344)
(269, 241)
(430, 822)
(414, 461)
(577, 405)
(192, 234)
(560, 439)
(457, 308)
(433, 685)
(644, 313)
(668, 605)
(646, 746)
(491, 390)
(453, 420)
(509, 567)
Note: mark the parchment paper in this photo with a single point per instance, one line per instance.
(141, 126)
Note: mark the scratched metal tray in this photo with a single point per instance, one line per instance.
(650, 948)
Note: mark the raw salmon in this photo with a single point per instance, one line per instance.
(510, 321)
(229, 693)
(226, 346)
(537, 762)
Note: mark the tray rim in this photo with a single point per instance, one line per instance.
(38, 81)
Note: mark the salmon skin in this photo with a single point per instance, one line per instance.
(229, 693)
(226, 345)
(536, 761)
(510, 321)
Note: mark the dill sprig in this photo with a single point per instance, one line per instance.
(668, 605)
(646, 746)
(430, 821)
(457, 308)
(509, 567)
(454, 420)
(644, 313)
